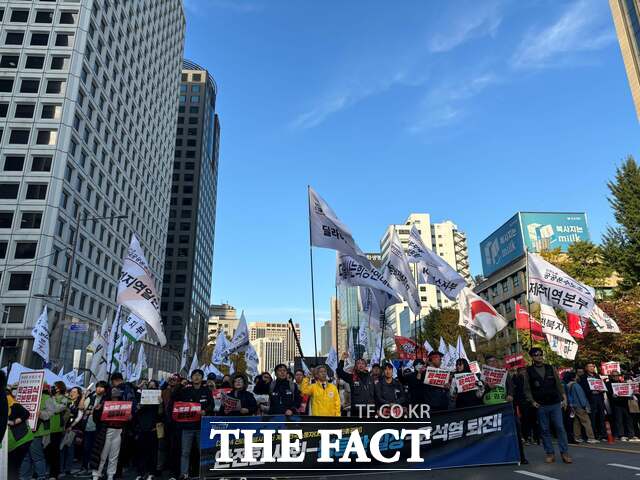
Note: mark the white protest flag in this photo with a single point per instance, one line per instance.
(375, 355)
(40, 335)
(185, 350)
(398, 274)
(349, 363)
(251, 358)
(134, 328)
(427, 346)
(432, 267)
(215, 371)
(602, 322)
(61, 372)
(460, 348)
(123, 355)
(548, 285)
(217, 357)
(332, 359)
(232, 369)
(449, 359)
(353, 272)
(137, 290)
(442, 346)
(240, 339)
(80, 379)
(327, 231)
(558, 337)
(70, 378)
(194, 364)
(114, 345)
(141, 364)
(98, 347)
(305, 369)
(363, 335)
(478, 316)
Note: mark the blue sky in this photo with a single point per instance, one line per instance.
(466, 110)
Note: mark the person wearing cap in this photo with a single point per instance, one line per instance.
(436, 397)
(284, 394)
(198, 393)
(546, 393)
(414, 381)
(360, 384)
(389, 391)
(325, 398)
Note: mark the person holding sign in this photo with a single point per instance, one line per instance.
(546, 393)
(590, 383)
(619, 401)
(145, 426)
(466, 389)
(18, 433)
(325, 398)
(436, 396)
(191, 403)
(239, 401)
(580, 407)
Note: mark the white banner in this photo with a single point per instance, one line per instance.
(327, 231)
(185, 350)
(240, 339)
(332, 360)
(548, 285)
(602, 322)
(137, 290)
(558, 337)
(398, 274)
(351, 271)
(251, 358)
(363, 335)
(40, 335)
(135, 328)
(460, 349)
(433, 269)
(478, 316)
(222, 343)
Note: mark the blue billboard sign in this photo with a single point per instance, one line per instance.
(548, 231)
(534, 231)
(502, 247)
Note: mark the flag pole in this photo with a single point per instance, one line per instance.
(313, 295)
(337, 325)
(526, 288)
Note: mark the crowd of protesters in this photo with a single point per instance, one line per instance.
(72, 437)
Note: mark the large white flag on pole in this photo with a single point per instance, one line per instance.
(251, 358)
(194, 364)
(137, 290)
(240, 339)
(40, 335)
(478, 316)
(185, 350)
(327, 231)
(602, 322)
(353, 272)
(559, 338)
(398, 274)
(427, 346)
(332, 359)
(135, 328)
(432, 267)
(217, 356)
(141, 364)
(460, 348)
(548, 285)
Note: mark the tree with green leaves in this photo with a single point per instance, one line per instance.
(622, 242)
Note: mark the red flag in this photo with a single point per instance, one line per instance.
(536, 330)
(523, 319)
(578, 326)
(407, 349)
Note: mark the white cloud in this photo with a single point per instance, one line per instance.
(584, 26)
(478, 20)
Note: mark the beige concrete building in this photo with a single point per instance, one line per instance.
(446, 240)
(276, 331)
(222, 316)
(270, 352)
(626, 17)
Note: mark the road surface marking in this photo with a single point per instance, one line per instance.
(595, 447)
(535, 475)
(619, 465)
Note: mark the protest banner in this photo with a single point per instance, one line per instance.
(407, 349)
(150, 397)
(563, 370)
(609, 368)
(515, 360)
(622, 389)
(230, 404)
(465, 382)
(484, 435)
(29, 393)
(494, 377)
(116, 412)
(437, 377)
(186, 412)
(474, 367)
(596, 384)
(635, 387)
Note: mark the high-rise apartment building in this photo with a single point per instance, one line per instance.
(446, 240)
(188, 263)
(626, 17)
(276, 330)
(88, 107)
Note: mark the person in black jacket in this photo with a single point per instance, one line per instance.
(197, 393)
(248, 405)
(414, 382)
(361, 385)
(284, 394)
(596, 402)
(472, 398)
(146, 434)
(389, 391)
(4, 406)
(436, 397)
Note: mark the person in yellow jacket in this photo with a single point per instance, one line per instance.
(325, 399)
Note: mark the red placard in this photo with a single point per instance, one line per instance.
(474, 367)
(186, 412)
(596, 384)
(494, 377)
(608, 368)
(116, 412)
(466, 382)
(437, 377)
(514, 361)
(622, 389)
(217, 392)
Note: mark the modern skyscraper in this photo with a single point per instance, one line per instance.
(192, 217)
(88, 109)
(626, 17)
(271, 352)
(278, 331)
(326, 337)
(446, 240)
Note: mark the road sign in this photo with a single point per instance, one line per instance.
(78, 328)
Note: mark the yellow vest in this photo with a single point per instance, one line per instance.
(325, 402)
